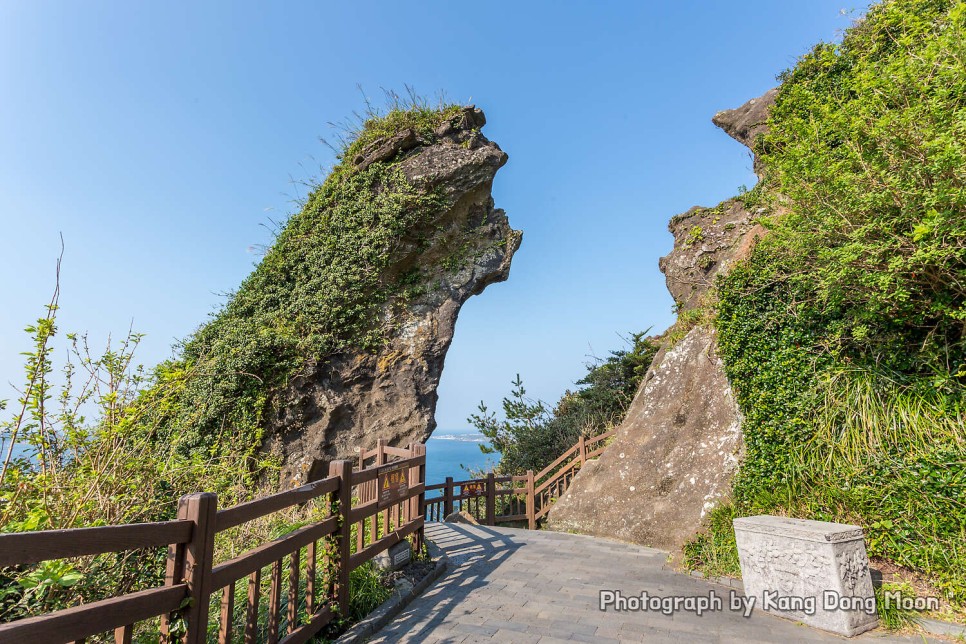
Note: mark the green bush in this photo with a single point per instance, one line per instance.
(530, 435)
(843, 333)
(115, 443)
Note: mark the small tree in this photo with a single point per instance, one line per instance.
(530, 435)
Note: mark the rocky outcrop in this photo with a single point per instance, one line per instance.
(745, 123)
(673, 457)
(707, 241)
(333, 407)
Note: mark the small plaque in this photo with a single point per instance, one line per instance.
(393, 481)
(474, 489)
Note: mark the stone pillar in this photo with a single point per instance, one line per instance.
(810, 571)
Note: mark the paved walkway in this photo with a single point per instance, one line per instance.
(505, 585)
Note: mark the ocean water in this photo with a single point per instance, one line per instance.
(454, 452)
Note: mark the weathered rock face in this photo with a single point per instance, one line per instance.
(672, 459)
(674, 456)
(745, 123)
(353, 399)
(707, 241)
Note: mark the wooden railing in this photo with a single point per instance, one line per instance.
(183, 603)
(522, 498)
(493, 500)
(315, 596)
(552, 481)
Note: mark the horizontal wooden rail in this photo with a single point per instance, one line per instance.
(389, 451)
(600, 437)
(191, 578)
(86, 620)
(366, 510)
(309, 630)
(540, 490)
(370, 474)
(389, 540)
(575, 465)
(32, 547)
(467, 482)
(244, 512)
(256, 559)
(560, 459)
(509, 518)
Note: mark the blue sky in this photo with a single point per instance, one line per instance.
(160, 137)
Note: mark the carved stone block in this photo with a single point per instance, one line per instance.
(810, 571)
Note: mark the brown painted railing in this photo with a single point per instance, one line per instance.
(523, 498)
(493, 500)
(183, 603)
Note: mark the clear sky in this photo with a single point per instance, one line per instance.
(159, 138)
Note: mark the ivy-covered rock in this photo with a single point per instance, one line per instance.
(841, 332)
(338, 337)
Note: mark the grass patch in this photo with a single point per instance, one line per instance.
(714, 551)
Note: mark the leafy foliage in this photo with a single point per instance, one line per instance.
(868, 141)
(321, 288)
(843, 333)
(714, 551)
(530, 435)
(117, 444)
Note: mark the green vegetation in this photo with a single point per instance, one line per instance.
(531, 436)
(695, 235)
(320, 289)
(714, 551)
(118, 444)
(892, 615)
(843, 333)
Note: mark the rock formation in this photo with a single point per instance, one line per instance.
(352, 399)
(674, 456)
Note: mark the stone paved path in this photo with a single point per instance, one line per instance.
(505, 585)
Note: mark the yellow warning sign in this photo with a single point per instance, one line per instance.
(393, 484)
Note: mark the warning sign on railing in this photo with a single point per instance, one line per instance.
(393, 481)
(474, 489)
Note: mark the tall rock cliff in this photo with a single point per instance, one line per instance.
(339, 336)
(674, 456)
(353, 398)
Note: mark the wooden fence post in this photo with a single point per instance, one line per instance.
(381, 460)
(490, 499)
(582, 446)
(343, 470)
(200, 509)
(413, 508)
(448, 498)
(173, 574)
(419, 536)
(531, 503)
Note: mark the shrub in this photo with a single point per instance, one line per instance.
(843, 333)
(531, 435)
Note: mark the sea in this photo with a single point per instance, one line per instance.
(456, 453)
